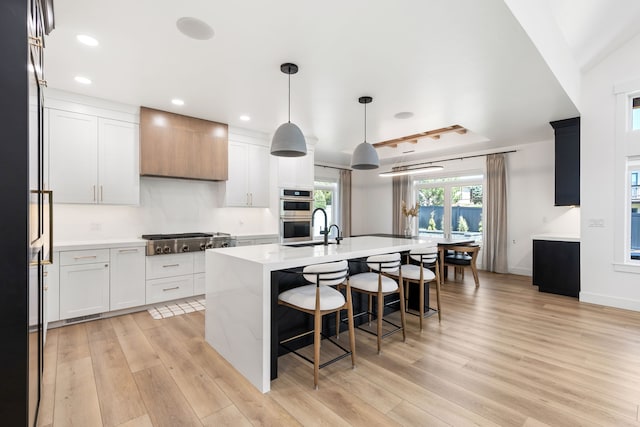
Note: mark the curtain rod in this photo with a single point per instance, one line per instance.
(454, 158)
(332, 167)
(427, 163)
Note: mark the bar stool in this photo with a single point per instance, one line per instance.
(378, 283)
(427, 258)
(319, 299)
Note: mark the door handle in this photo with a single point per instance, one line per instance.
(101, 194)
(94, 193)
(170, 265)
(124, 251)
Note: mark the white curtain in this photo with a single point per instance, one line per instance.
(345, 202)
(401, 192)
(495, 243)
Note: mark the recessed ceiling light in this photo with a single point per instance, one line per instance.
(403, 115)
(245, 118)
(83, 80)
(87, 40)
(194, 28)
(177, 101)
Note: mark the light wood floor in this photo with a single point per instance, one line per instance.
(504, 354)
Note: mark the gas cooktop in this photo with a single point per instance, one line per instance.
(162, 244)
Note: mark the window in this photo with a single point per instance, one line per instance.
(634, 213)
(626, 233)
(450, 207)
(325, 195)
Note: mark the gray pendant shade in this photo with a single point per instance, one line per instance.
(288, 141)
(365, 157)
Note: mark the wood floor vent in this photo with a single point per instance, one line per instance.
(83, 318)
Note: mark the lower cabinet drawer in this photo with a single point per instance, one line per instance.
(169, 288)
(199, 287)
(169, 265)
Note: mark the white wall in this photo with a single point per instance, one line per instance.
(531, 210)
(601, 283)
(530, 188)
(371, 200)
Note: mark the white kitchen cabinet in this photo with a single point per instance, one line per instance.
(168, 288)
(297, 172)
(93, 159)
(248, 183)
(199, 287)
(169, 265)
(199, 284)
(84, 283)
(127, 282)
(73, 151)
(118, 162)
(169, 277)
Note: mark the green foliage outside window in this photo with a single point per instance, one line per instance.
(462, 224)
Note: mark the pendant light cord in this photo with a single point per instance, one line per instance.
(365, 122)
(289, 94)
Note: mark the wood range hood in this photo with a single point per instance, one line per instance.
(176, 146)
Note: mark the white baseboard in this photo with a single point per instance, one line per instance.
(520, 271)
(609, 301)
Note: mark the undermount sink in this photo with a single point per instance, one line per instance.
(305, 244)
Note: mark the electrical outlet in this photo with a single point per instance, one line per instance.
(596, 223)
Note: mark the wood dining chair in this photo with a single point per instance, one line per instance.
(461, 256)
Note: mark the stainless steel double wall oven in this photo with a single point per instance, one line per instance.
(296, 207)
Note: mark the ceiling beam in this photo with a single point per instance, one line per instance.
(413, 139)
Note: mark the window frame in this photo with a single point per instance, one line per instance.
(447, 181)
(333, 185)
(627, 142)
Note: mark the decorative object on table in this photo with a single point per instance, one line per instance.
(409, 215)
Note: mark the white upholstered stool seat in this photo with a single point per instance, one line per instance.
(378, 284)
(421, 274)
(369, 282)
(412, 272)
(320, 299)
(305, 297)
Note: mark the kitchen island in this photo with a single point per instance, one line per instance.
(239, 294)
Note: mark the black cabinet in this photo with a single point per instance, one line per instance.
(556, 267)
(567, 165)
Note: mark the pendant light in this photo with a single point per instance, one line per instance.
(365, 155)
(288, 140)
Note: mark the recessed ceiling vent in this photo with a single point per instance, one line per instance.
(194, 28)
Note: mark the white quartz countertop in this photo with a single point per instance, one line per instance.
(79, 245)
(279, 256)
(559, 237)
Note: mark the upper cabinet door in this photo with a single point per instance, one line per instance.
(237, 186)
(119, 162)
(248, 184)
(296, 172)
(259, 176)
(73, 141)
